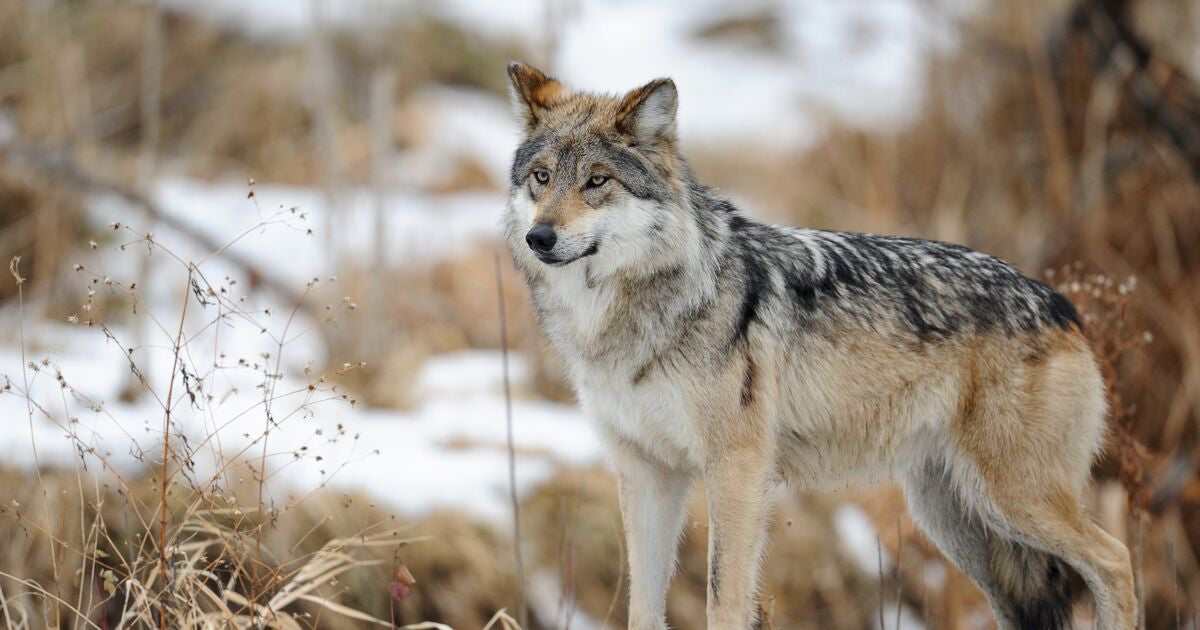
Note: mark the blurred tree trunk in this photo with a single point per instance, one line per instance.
(324, 105)
(383, 87)
(151, 94)
(48, 243)
(556, 14)
(149, 104)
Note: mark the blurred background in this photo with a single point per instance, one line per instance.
(350, 156)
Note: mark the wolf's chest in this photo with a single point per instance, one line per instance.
(656, 414)
(606, 342)
(575, 312)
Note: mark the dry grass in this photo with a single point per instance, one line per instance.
(326, 561)
(447, 306)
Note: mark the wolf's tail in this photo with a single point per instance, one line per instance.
(1028, 588)
(1036, 588)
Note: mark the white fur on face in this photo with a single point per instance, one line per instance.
(523, 205)
(627, 237)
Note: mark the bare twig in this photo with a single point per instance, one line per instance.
(879, 557)
(14, 267)
(522, 610)
(612, 604)
(166, 456)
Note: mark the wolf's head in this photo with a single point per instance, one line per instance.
(596, 176)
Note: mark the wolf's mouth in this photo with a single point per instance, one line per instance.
(554, 261)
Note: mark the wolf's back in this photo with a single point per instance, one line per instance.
(933, 290)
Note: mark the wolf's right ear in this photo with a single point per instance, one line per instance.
(647, 114)
(533, 93)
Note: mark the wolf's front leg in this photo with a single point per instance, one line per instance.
(738, 480)
(652, 511)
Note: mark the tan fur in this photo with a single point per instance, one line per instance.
(538, 90)
(564, 210)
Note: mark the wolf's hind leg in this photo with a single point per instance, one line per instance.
(1027, 444)
(652, 497)
(1025, 587)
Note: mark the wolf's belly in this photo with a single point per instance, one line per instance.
(832, 461)
(840, 426)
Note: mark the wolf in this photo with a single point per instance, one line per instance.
(708, 346)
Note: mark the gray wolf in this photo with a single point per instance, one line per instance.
(707, 346)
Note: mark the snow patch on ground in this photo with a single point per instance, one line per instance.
(448, 452)
(452, 124)
(222, 211)
(860, 539)
(864, 67)
(898, 617)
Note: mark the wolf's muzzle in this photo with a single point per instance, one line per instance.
(541, 239)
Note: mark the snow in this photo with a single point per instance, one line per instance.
(864, 66)
(860, 539)
(221, 210)
(453, 124)
(448, 452)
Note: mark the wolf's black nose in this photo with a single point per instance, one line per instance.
(541, 238)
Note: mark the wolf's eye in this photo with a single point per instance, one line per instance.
(541, 177)
(597, 181)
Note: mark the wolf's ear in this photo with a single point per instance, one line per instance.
(532, 92)
(647, 114)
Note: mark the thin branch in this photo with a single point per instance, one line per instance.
(166, 479)
(522, 609)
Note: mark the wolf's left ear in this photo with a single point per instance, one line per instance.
(647, 114)
(533, 93)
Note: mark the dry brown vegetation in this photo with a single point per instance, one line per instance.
(341, 546)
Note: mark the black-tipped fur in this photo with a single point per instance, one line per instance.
(1037, 588)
